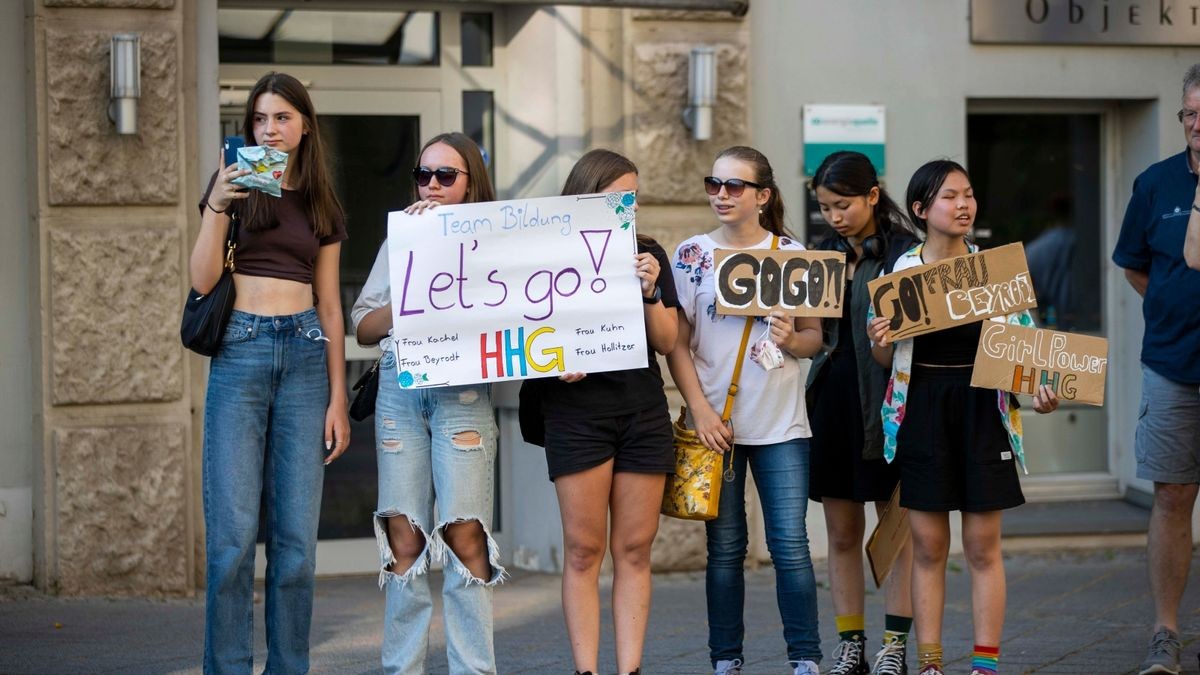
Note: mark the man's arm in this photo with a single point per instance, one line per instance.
(1138, 279)
(1191, 244)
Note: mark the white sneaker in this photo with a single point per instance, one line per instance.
(730, 667)
(804, 668)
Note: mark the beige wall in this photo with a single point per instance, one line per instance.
(114, 506)
(916, 58)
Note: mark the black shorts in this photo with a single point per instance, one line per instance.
(641, 442)
(838, 468)
(952, 447)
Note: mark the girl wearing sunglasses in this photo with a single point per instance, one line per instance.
(957, 445)
(769, 432)
(433, 444)
(608, 449)
(845, 391)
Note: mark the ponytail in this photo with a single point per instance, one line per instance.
(771, 214)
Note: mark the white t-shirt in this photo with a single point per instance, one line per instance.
(769, 406)
(376, 293)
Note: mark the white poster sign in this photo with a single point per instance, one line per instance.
(516, 289)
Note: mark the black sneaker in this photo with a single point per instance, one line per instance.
(848, 658)
(890, 660)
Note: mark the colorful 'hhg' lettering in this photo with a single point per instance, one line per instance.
(512, 358)
(1026, 380)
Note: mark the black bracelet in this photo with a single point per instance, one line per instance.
(1196, 207)
(210, 208)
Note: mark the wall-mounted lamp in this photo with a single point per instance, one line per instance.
(702, 92)
(125, 78)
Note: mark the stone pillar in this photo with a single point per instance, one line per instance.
(635, 72)
(114, 500)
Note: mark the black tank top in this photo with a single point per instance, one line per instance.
(950, 347)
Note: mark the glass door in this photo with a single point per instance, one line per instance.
(1039, 180)
(374, 138)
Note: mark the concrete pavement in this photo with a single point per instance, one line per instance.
(1068, 612)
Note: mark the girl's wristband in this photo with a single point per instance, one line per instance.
(215, 210)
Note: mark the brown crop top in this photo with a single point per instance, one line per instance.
(286, 251)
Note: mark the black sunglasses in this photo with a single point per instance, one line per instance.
(733, 186)
(446, 175)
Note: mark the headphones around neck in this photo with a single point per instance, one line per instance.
(873, 247)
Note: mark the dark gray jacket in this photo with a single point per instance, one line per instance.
(872, 377)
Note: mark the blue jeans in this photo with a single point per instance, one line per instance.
(264, 442)
(781, 474)
(421, 461)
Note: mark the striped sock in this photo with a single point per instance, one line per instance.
(896, 628)
(929, 654)
(850, 626)
(985, 660)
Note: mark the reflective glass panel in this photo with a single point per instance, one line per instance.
(476, 39)
(296, 36)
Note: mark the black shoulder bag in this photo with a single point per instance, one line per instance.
(205, 315)
(363, 405)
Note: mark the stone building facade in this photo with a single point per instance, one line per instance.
(100, 490)
(110, 454)
(100, 486)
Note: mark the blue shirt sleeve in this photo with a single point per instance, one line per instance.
(1133, 248)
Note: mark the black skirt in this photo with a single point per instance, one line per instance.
(838, 468)
(952, 447)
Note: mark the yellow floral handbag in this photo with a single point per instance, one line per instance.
(694, 490)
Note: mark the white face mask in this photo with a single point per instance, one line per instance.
(766, 353)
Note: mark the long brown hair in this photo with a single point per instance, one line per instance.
(596, 170)
(771, 214)
(308, 162)
(479, 184)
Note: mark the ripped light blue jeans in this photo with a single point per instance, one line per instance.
(420, 461)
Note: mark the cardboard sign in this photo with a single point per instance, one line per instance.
(510, 290)
(888, 538)
(754, 282)
(1020, 359)
(954, 291)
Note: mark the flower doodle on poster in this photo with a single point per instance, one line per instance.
(411, 379)
(622, 204)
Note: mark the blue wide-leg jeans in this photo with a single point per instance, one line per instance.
(264, 430)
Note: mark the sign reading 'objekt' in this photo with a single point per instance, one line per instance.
(517, 289)
(1162, 23)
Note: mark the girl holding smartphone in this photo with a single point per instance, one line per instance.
(276, 400)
